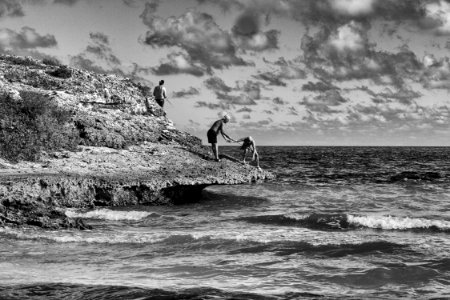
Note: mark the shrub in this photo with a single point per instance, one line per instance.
(145, 90)
(32, 125)
(50, 61)
(61, 72)
(24, 61)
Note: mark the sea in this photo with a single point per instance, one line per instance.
(336, 223)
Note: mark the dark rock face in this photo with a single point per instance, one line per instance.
(114, 147)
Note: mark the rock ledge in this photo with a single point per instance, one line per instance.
(123, 150)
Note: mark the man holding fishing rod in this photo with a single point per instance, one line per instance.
(160, 93)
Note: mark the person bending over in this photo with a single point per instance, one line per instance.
(248, 144)
(214, 131)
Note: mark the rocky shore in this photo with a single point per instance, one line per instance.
(75, 139)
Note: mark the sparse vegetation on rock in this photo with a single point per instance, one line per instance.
(61, 72)
(33, 124)
(51, 62)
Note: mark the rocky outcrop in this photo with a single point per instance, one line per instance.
(84, 140)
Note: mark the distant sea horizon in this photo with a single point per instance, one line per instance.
(341, 146)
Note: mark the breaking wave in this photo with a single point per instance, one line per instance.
(399, 223)
(108, 214)
(348, 222)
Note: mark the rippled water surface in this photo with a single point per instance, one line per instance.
(337, 222)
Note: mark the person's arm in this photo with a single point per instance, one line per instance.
(164, 93)
(225, 136)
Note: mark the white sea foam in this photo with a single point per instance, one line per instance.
(396, 223)
(139, 236)
(107, 214)
(101, 237)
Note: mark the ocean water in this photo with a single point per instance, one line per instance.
(338, 222)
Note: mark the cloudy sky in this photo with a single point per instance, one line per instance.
(289, 72)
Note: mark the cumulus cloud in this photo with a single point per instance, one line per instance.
(26, 38)
(292, 111)
(196, 33)
(324, 101)
(383, 116)
(352, 7)
(330, 12)
(436, 72)
(154, 4)
(99, 57)
(345, 54)
(331, 98)
(241, 99)
(82, 62)
(244, 92)
(272, 78)
(10, 8)
(186, 93)
(248, 36)
(403, 96)
(245, 109)
(437, 17)
(213, 106)
(137, 74)
(260, 41)
(319, 86)
(257, 124)
(264, 7)
(179, 63)
(100, 48)
(349, 37)
(283, 70)
(66, 2)
(96, 53)
(251, 88)
(278, 101)
(217, 84)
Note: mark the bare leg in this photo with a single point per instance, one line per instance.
(244, 154)
(257, 161)
(215, 150)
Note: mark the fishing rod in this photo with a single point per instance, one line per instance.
(153, 98)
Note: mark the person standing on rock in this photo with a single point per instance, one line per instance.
(214, 131)
(160, 93)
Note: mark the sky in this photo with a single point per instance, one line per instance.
(288, 72)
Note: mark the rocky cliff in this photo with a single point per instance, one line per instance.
(75, 139)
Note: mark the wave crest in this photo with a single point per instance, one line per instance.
(108, 214)
(398, 223)
(347, 222)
